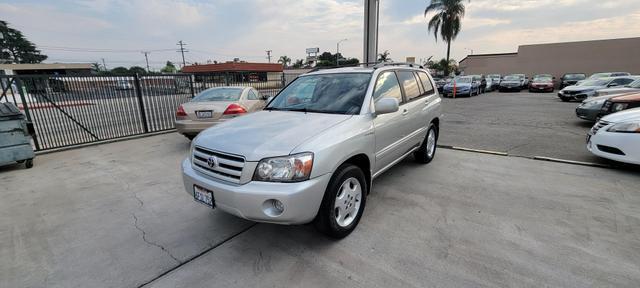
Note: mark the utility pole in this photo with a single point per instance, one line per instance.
(146, 57)
(371, 15)
(269, 55)
(338, 51)
(182, 50)
(104, 65)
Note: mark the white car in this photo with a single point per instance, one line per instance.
(617, 137)
(633, 87)
(589, 88)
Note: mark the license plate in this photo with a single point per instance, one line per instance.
(203, 196)
(204, 114)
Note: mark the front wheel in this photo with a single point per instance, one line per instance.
(343, 202)
(427, 150)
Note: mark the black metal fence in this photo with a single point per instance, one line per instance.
(74, 110)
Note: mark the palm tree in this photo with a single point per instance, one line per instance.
(96, 67)
(285, 61)
(384, 56)
(447, 20)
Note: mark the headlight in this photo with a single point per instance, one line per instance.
(633, 127)
(592, 104)
(293, 168)
(619, 107)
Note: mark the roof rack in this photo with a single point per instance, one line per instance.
(383, 64)
(375, 65)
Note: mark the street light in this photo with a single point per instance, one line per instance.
(338, 51)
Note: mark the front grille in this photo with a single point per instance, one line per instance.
(219, 165)
(599, 126)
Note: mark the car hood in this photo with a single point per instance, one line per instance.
(266, 133)
(459, 85)
(581, 88)
(623, 116)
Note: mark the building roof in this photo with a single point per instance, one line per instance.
(45, 66)
(233, 67)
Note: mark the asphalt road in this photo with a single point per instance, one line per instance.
(521, 124)
(116, 215)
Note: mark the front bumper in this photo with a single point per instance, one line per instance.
(589, 114)
(510, 88)
(301, 200)
(627, 143)
(541, 88)
(580, 96)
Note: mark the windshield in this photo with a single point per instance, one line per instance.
(340, 93)
(463, 80)
(574, 76)
(218, 94)
(598, 82)
(599, 75)
(511, 78)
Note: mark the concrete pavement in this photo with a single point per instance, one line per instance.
(115, 215)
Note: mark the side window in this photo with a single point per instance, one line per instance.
(410, 84)
(426, 83)
(622, 81)
(252, 95)
(387, 86)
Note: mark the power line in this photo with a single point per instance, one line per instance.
(100, 50)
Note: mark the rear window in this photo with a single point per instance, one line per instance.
(410, 84)
(426, 84)
(218, 94)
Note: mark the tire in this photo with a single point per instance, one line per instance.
(427, 150)
(342, 187)
(28, 163)
(564, 99)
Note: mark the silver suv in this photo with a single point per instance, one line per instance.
(312, 153)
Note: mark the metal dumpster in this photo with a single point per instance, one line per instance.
(15, 137)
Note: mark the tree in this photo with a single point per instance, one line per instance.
(119, 71)
(298, 64)
(96, 67)
(15, 48)
(169, 68)
(384, 56)
(137, 70)
(443, 66)
(446, 22)
(285, 60)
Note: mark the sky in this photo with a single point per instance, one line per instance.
(119, 30)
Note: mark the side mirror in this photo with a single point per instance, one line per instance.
(387, 105)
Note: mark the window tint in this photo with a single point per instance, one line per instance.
(252, 95)
(387, 86)
(218, 94)
(622, 81)
(410, 84)
(428, 88)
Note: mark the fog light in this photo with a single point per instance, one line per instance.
(278, 205)
(273, 207)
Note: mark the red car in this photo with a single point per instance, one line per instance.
(542, 84)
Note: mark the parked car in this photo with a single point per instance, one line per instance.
(619, 103)
(617, 137)
(607, 75)
(590, 108)
(214, 106)
(464, 85)
(123, 85)
(312, 153)
(489, 86)
(495, 80)
(589, 88)
(542, 84)
(511, 83)
(440, 83)
(570, 79)
(525, 80)
(631, 87)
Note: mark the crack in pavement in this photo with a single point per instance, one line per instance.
(144, 238)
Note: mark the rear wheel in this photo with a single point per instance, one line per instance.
(343, 202)
(427, 150)
(564, 99)
(28, 163)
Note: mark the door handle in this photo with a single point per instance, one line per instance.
(405, 112)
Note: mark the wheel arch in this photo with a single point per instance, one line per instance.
(363, 162)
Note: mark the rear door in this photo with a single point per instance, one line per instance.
(416, 107)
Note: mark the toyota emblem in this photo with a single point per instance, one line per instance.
(212, 161)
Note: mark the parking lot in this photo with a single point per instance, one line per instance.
(116, 215)
(520, 124)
